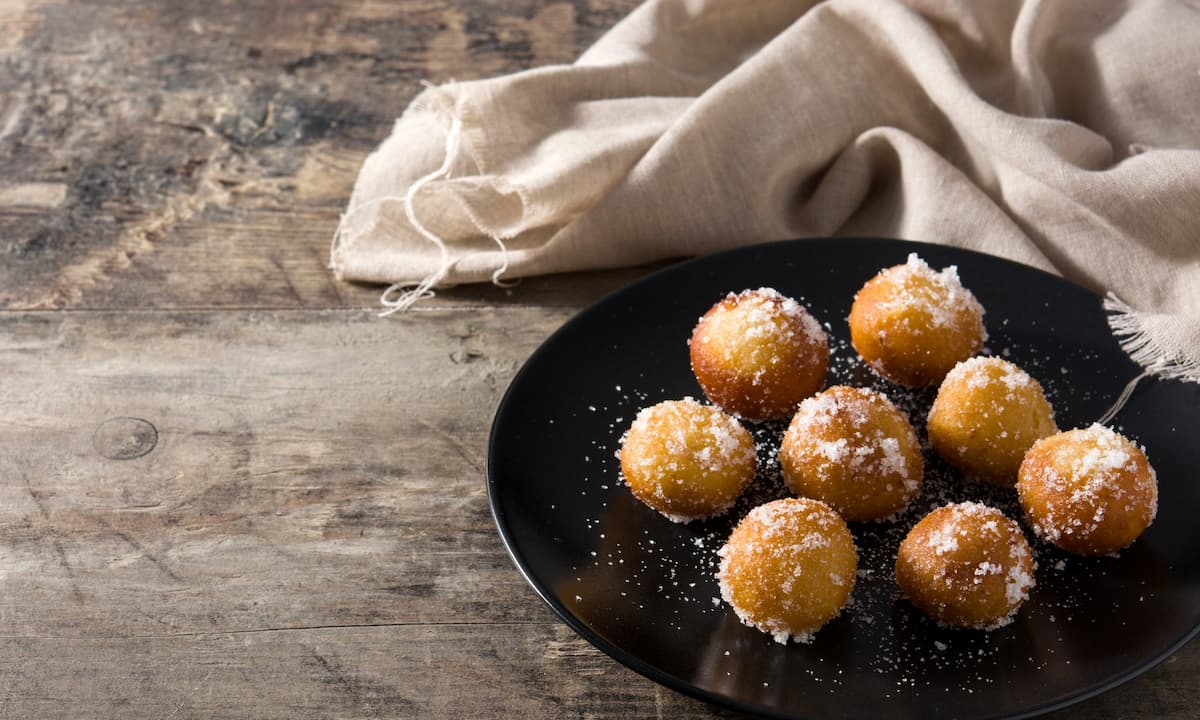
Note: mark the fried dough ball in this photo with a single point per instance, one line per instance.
(988, 412)
(912, 324)
(686, 460)
(852, 448)
(757, 354)
(1089, 492)
(788, 568)
(966, 564)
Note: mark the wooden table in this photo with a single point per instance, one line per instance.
(226, 488)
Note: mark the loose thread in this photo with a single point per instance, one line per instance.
(1165, 361)
(402, 295)
(1129, 328)
(361, 207)
(424, 289)
(1122, 398)
(503, 267)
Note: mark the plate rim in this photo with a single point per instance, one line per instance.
(666, 679)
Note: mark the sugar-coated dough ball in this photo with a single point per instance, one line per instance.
(912, 324)
(686, 460)
(788, 568)
(967, 565)
(1089, 492)
(853, 449)
(988, 412)
(757, 354)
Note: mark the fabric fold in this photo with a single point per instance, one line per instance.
(1061, 135)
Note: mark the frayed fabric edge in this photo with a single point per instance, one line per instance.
(1129, 327)
(409, 291)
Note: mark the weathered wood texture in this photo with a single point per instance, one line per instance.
(226, 488)
(198, 154)
(307, 535)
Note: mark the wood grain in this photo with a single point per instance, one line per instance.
(226, 488)
(299, 459)
(199, 154)
(308, 533)
(287, 547)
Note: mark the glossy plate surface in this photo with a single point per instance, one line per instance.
(642, 589)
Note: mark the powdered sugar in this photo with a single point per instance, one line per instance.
(875, 612)
(943, 541)
(988, 568)
(767, 314)
(834, 450)
(775, 558)
(687, 460)
(1019, 581)
(1108, 454)
(938, 296)
(980, 371)
(1090, 490)
(852, 440)
(894, 462)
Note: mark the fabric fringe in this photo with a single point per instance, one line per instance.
(1129, 327)
(1144, 349)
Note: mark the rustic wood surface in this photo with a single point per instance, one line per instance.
(226, 488)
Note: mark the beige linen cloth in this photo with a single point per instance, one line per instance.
(1064, 134)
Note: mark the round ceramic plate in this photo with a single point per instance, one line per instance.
(641, 588)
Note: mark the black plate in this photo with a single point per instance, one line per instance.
(641, 588)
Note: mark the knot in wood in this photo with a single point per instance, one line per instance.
(124, 438)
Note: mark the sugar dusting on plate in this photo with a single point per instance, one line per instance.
(674, 583)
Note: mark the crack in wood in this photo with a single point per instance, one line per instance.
(158, 562)
(358, 690)
(76, 591)
(287, 280)
(295, 628)
(59, 552)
